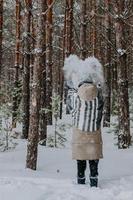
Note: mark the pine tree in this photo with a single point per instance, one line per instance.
(67, 40)
(16, 92)
(124, 138)
(49, 61)
(43, 122)
(107, 67)
(33, 136)
(26, 70)
(1, 30)
(69, 28)
(94, 27)
(83, 30)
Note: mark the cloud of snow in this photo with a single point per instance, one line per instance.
(77, 70)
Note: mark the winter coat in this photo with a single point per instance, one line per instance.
(86, 105)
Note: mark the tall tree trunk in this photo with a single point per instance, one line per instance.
(67, 42)
(107, 68)
(33, 43)
(61, 74)
(83, 51)
(114, 85)
(64, 32)
(69, 27)
(1, 39)
(43, 123)
(33, 136)
(1, 30)
(94, 29)
(49, 63)
(26, 72)
(99, 23)
(16, 92)
(124, 138)
(64, 89)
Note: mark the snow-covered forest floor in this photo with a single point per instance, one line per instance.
(55, 178)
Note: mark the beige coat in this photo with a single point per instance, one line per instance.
(85, 145)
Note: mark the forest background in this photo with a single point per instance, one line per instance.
(35, 38)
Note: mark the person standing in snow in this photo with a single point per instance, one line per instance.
(85, 103)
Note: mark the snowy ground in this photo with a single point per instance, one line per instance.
(55, 178)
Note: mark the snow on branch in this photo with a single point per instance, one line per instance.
(121, 52)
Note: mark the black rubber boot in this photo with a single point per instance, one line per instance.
(81, 167)
(93, 172)
(81, 180)
(93, 181)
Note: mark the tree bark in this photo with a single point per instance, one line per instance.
(124, 138)
(83, 51)
(69, 27)
(33, 136)
(33, 43)
(49, 62)
(43, 123)
(94, 29)
(67, 42)
(16, 92)
(107, 68)
(26, 72)
(1, 37)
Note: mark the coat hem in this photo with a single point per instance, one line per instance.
(88, 158)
